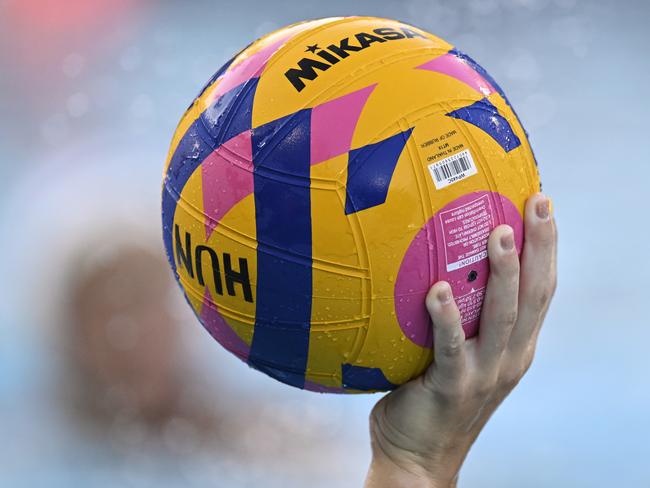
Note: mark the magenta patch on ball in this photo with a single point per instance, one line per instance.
(453, 66)
(311, 386)
(452, 247)
(229, 166)
(341, 113)
(218, 328)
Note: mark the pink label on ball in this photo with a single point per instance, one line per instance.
(452, 247)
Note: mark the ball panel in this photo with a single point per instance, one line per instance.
(457, 68)
(333, 242)
(320, 388)
(342, 113)
(219, 328)
(486, 117)
(329, 348)
(189, 117)
(386, 235)
(227, 178)
(297, 79)
(452, 247)
(338, 277)
(251, 62)
(365, 379)
(403, 91)
(219, 260)
(227, 118)
(281, 157)
(370, 170)
(521, 157)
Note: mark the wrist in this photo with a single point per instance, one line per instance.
(383, 472)
(397, 462)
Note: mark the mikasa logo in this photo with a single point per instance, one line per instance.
(334, 53)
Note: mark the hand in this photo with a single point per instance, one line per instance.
(422, 431)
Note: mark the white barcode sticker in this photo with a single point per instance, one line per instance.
(452, 169)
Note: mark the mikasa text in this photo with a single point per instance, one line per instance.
(334, 53)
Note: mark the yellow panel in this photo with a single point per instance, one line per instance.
(338, 277)
(275, 95)
(188, 222)
(388, 230)
(406, 92)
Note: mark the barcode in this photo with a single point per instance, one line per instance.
(452, 169)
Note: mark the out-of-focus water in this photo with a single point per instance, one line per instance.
(88, 107)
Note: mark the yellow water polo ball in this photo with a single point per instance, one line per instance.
(323, 180)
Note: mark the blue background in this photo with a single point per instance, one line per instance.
(89, 99)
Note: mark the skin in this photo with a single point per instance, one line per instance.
(422, 432)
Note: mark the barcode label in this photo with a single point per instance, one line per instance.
(452, 169)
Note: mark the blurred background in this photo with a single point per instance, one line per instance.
(101, 385)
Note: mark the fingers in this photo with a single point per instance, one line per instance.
(499, 311)
(448, 334)
(538, 273)
(517, 297)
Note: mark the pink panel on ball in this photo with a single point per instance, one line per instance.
(412, 284)
(227, 178)
(247, 69)
(218, 328)
(453, 66)
(452, 247)
(311, 386)
(333, 124)
(253, 65)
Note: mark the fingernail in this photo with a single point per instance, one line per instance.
(444, 296)
(507, 241)
(542, 209)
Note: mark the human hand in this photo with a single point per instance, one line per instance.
(422, 431)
